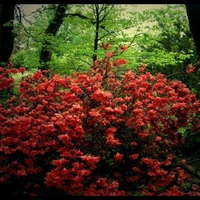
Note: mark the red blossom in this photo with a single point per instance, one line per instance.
(133, 179)
(135, 169)
(158, 138)
(120, 62)
(183, 161)
(105, 45)
(174, 191)
(90, 160)
(111, 141)
(190, 69)
(134, 156)
(10, 64)
(195, 187)
(123, 48)
(134, 144)
(142, 68)
(118, 157)
(110, 54)
(143, 135)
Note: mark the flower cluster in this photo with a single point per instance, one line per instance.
(95, 134)
(190, 69)
(6, 81)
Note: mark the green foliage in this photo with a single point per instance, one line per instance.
(159, 38)
(28, 58)
(166, 47)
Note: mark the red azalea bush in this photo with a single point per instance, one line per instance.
(6, 82)
(97, 133)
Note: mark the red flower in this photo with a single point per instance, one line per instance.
(110, 54)
(142, 68)
(151, 173)
(76, 89)
(107, 46)
(174, 191)
(66, 140)
(41, 87)
(134, 144)
(83, 172)
(50, 87)
(134, 156)
(118, 157)
(90, 160)
(195, 187)
(148, 161)
(124, 107)
(123, 48)
(22, 69)
(190, 69)
(119, 62)
(135, 169)
(28, 161)
(168, 162)
(111, 130)
(94, 113)
(143, 135)
(59, 162)
(183, 161)
(10, 64)
(158, 138)
(110, 140)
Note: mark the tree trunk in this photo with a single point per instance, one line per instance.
(46, 53)
(96, 33)
(193, 13)
(6, 32)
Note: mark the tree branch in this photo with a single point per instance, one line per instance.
(77, 15)
(106, 14)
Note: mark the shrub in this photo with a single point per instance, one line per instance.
(97, 133)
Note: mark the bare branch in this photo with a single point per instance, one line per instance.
(77, 15)
(106, 14)
(104, 7)
(18, 13)
(108, 33)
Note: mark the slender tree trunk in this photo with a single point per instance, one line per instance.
(96, 33)
(193, 13)
(6, 32)
(46, 53)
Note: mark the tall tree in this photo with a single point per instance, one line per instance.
(6, 31)
(193, 13)
(76, 41)
(100, 14)
(76, 44)
(45, 55)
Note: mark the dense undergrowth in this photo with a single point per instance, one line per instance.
(97, 133)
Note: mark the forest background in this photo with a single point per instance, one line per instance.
(161, 32)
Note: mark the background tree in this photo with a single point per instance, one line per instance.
(158, 37)
(193, 13)
(52, 29)
(76, 41)
(169, 47)
(6, 31)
